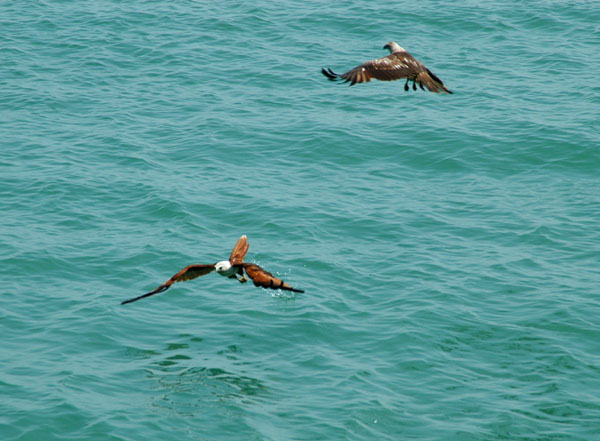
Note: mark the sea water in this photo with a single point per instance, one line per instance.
(448, 245)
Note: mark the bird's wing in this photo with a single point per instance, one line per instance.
(391, 67)
(188, 273)
(432, 82)
(239, 251)
(260, 277)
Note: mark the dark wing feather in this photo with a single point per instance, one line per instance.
(331, 75)
(239, 251)
(432, 82)
(188, 273)
(356, 75)
(260, 277)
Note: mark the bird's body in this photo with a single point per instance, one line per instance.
(231, 268)
(397, 65)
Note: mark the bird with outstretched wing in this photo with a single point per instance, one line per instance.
(231, 268)
(395, 66)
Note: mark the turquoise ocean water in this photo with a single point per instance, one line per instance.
(449, 246)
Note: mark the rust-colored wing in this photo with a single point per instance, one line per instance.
(239, 251)
(188, 273)
(260, 277)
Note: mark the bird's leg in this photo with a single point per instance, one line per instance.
(242, 279)
(414, 85)
(406, 86)
(421, 86)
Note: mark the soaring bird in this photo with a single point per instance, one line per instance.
(398, 64)
(229, 268)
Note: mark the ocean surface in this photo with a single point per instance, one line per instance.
(448, 245)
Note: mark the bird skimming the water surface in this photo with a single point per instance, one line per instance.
(398, 64)
(229, 268)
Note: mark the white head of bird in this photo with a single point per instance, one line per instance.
(224, 268)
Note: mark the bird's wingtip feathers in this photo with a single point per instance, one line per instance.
(331, 75)
(148, 294)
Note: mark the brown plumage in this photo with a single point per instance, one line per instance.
(260, 277)
(239, 251)
(397, 65)
(230, 268)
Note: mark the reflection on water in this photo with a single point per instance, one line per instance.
(185, 388)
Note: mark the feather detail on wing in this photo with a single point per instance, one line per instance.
(394, 67)
(188, 273)
(260, 277)
(239, 251)
(389, 68)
